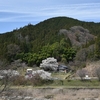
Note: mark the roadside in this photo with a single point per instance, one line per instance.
(47, 93)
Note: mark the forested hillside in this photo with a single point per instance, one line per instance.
(64, 38)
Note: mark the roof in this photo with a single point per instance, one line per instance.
(62, 67)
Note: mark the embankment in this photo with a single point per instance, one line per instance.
(51, 94)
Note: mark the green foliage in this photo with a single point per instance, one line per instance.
(57, 50)
(12, 50)
(43, 40)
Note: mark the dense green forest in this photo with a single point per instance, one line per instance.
(33, 43)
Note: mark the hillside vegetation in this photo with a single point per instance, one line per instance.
(69, 40)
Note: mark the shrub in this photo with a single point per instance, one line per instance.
(98, 73)
(19, 80)
(36, 80)
(82, 73)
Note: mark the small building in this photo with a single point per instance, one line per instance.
(63, 68)
(29, 71)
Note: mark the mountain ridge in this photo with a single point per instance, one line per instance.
(33, 38)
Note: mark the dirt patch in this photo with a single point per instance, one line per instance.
(53, 94)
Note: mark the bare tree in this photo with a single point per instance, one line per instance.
(98, 73)
(4, 83)
(6, 74)
(36, 80)
(82, 73)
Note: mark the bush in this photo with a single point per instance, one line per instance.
(98, 73)
(82, 73)
(20, 80)
(36, 80)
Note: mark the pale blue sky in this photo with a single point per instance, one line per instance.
(18, 13)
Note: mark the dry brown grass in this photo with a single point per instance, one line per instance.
(59, 93)
(68, 94)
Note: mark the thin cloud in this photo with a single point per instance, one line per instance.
(79, 11)
(17, 13)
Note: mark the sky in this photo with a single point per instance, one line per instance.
(18, 13)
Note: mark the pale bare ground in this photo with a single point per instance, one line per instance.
(64, 93)
(70, 94)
